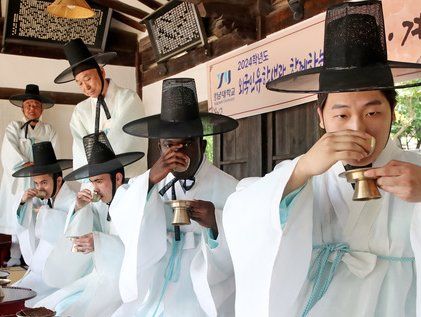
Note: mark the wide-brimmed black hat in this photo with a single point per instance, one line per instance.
(180, 116)
(80, 59)
(101, 157)
(355, 55)
(32, 92)
(45, 162)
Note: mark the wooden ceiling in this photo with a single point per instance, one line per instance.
(229, 24)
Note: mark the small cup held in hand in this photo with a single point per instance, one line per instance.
(95, 197)
(372, 145)
(41, 194)
(181, 169)
(74, 246)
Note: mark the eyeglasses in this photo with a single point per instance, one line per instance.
(184, 145)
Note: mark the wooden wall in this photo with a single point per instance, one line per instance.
(262, 141)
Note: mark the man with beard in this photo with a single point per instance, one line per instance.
(89, 269)
(40, 215)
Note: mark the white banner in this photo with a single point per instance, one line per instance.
(236, 81)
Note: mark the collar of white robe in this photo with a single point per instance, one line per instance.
(26, 126)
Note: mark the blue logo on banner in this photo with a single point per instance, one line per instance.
(224, 77)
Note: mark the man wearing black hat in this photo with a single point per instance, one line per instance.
(17, 152)
(327, 250)
(90, 268)
(107, 108)
(40, 214)
(174, 264)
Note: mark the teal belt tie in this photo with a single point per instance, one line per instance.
(172, 271)
(322, 275)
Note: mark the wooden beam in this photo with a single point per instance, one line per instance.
(120, 41)
(123, 8)
(65, 98)
(226, 10)
(128, 21)
(153, 4)
(283, 16)
(195, 57)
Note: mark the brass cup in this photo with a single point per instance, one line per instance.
(365, 187)
(180, 208)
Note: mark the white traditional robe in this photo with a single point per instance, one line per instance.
(37, 233)
(272, 264)
(88, 281)
(124, 106)
(16, 150)
(205, 285)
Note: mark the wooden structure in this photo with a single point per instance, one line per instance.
(229, 24)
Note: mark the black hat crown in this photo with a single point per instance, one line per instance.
(97, 148)
(179, 100)
(43, 154)
(354, 35)
(355, 55)
(79, 56)
(32, 89)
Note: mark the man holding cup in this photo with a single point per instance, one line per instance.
(41, 215)
(94, 250)
(176, 266)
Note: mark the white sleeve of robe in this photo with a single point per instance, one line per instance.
(127, 107)
(253, 232)
(64, 266)
(11, 155)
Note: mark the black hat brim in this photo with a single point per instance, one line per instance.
(101, 59)
(347, 79)
(153, 127)
(35, 170)
(90, 170)
(18, 100)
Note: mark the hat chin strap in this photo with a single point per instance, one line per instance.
(100, 102)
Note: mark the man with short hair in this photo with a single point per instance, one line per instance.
(16, 152)
(174, 266)
(107, 108)
(40, 215)
(92, 270)
(327, 250)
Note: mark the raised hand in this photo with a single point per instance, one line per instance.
(83, 198)
(203, 212)
(169, 161)
(401, 179)
(28, 195)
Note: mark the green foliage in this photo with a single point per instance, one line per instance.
(209, 148)
(407, 126)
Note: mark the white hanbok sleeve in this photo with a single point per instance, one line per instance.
(130, 107)
(108, 255)
(11, 156)
(78, 130)
(64, 266)
(50, 224)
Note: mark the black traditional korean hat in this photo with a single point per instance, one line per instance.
(31, 92)
(180, 116)
(45, 162)
(80, 59)
(355, 55)
(101, 157)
